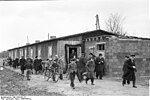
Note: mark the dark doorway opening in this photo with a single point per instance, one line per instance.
(72, 53)
(68, 52)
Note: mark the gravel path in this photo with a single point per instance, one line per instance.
(38, 86)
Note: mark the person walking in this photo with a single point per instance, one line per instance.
(22, 63)
(125, 70)
(99, 66)
(90, 66)
(72, 69)
(35, 64)
(28, 67)
(81, 67)
(131, 69)
(61, 66)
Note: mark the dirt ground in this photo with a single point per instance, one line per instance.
(38, 86)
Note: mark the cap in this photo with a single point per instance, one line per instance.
(132, 55)
(127, 56)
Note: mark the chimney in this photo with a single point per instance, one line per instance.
(37, 41)
(27, 43)
(52, 37)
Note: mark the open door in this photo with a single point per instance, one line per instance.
(72, 51)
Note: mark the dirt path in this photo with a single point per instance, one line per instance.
(12, 84)
(101, 87)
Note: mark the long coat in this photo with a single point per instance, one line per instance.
(81, 65)
(125, 68)
(90, 65)
(22, 63)
(61, 65)
(37, 64)
(15, 62)
(130, 74)
(99, 65)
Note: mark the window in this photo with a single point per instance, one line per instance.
(100, 46)
(87, 40)
(99, 38)
(91, 39)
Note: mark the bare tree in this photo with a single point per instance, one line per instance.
(114, 24)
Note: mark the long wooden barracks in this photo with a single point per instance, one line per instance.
(113, 47)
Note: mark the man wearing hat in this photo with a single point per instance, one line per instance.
(131, 69)
(125, 70)
(81, 67)
(90, 66)
(99, 66)
(72, 69)
(22, 63)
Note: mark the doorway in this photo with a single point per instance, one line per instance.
(72, 53)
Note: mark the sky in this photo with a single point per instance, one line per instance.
(35, 19)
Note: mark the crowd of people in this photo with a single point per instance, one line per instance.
(85, 68)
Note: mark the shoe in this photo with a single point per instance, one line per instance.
(85, 81)
(73, 87)
(92, 84)
(134, 86)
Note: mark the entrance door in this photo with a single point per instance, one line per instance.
(72, 51)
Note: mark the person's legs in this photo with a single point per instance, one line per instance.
(72, 77)
(134, 84)
(97, 74)
(123, 82)
(86, 80)
(28, 74)
(61, 76)
(92, 81)
(128, 82)
(101, 74)
(78, 76)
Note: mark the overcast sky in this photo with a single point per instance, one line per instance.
(35, 19)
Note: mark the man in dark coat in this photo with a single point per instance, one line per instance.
(29, 67)
(37, 65)
(90, 66)
(125, 70)
(15, 63)
(81, 67)
(131, 69)
(99, 66)
(22, 63)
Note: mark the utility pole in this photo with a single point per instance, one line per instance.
(97, 23)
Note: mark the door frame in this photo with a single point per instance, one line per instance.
(70, 45)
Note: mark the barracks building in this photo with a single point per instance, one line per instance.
(113, 47)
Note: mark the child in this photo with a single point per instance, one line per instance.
(72, 69)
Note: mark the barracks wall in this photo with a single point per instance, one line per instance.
(118, 48)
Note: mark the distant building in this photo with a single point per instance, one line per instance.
(113, 47)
